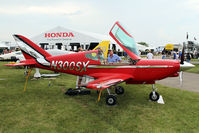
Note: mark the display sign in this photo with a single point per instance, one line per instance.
(60, 34)
(169, 47)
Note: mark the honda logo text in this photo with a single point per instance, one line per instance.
(60, 34)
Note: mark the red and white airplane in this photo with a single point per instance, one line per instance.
(91, 63)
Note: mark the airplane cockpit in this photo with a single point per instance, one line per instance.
(96, 56)
(126, 41)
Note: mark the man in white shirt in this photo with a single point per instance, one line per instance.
(149, 55)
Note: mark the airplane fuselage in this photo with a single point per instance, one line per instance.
(145, 71)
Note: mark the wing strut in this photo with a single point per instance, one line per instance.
(100, 93)
(25, 86)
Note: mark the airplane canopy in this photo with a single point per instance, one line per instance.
(125, 40)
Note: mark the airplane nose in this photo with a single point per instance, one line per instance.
(186, 66)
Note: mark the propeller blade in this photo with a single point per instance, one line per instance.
(182, 56)
(186, 66)
(181, 78)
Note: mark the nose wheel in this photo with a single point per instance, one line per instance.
(154, 96)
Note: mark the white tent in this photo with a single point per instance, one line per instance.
(141, 47)
(64, 36)
(2, 45)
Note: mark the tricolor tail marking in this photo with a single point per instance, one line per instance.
(104, 45)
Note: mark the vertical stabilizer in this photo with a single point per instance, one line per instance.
(104, 45)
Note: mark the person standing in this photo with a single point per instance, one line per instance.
(149, 55)
(163, 55)
(177, 56)
(79, 78)
(174, 55)
(180, 54)
(188, 57)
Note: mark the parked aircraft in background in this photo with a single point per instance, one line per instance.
(12, 56)
(91, 63)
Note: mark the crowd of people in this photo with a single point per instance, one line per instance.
(176, 56)
(171, 55)
(6, 51)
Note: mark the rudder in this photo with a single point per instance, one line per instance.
(29, 49)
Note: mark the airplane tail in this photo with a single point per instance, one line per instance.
(32, 53)
(125, 40)
(104, 45)
(29, 49)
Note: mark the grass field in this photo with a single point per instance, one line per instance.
(46, 109)
(194, 59)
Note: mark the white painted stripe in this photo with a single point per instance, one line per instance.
(134, 66)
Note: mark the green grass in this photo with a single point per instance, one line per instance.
(194, 59)
(46, 109)
(142, 56)
(194, 70)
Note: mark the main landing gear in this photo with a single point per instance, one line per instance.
(111, 99)
(154, 96)
(73, 92)
(119, 90)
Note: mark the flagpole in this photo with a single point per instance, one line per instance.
(186, 45)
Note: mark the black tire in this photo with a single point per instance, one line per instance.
(119, 90)
(111, 100)
(71, 92)
(154, 97)
(13, 58)
(84, 92)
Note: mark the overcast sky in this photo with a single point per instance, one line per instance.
(156, 22)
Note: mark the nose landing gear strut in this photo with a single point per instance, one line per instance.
(154, 95)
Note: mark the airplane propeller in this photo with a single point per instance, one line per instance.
(181, 78)
(182, 56)
(181, 62)
(184, 66)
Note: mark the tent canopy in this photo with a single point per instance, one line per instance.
(2, 45)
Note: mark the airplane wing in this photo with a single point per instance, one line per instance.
(106, 82)
(22, 63)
